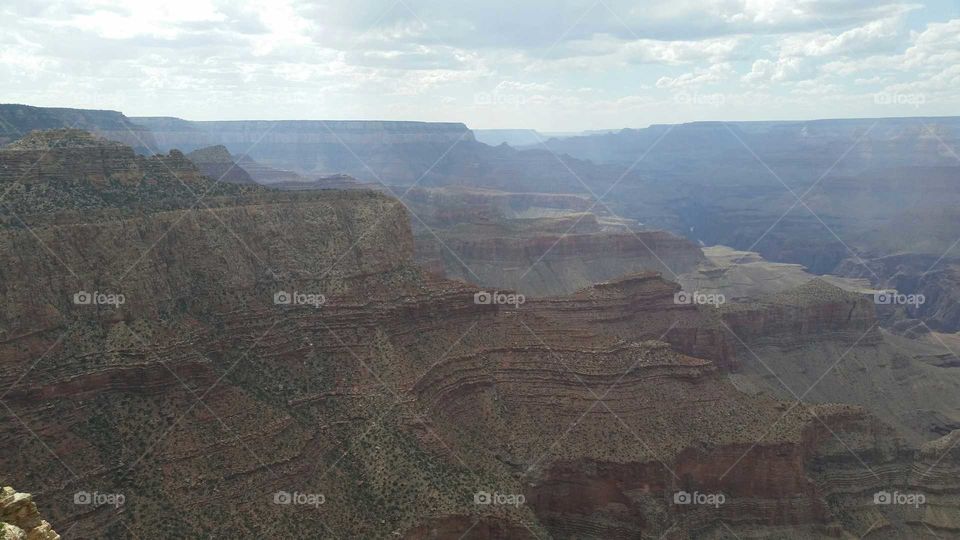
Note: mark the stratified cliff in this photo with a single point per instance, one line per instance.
(279, 366)
(826, 345)
(217, 163)
(17, 121)
(539, 244)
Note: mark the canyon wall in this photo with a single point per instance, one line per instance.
(280, 367)
(16, 121)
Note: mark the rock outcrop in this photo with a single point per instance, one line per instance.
(16, 121)
(217, 163)
(20, 519)
(49, 175)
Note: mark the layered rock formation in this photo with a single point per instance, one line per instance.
(49, 175)
(16, 121)
(20, 519)
(217, 163)
(225, 396)
(540, 244)
(825, 344)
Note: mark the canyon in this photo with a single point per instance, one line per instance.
(219, 399)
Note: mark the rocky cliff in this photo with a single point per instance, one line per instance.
(16, 121)
(20, 519)
(216, 162)
(278, 366)
(53, 175)
(539, 244)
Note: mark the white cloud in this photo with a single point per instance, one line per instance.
(388, 59)
(700, 76)
(781, 70)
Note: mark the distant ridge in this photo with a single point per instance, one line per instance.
(18, 120)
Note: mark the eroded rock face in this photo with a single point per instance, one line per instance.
(224, 396)
(64, 175)
(539, 244)
(20, 519)
(16, 121)
(217, 163)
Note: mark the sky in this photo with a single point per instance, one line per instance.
(551, 65)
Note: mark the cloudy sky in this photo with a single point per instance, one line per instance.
(554, 65)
